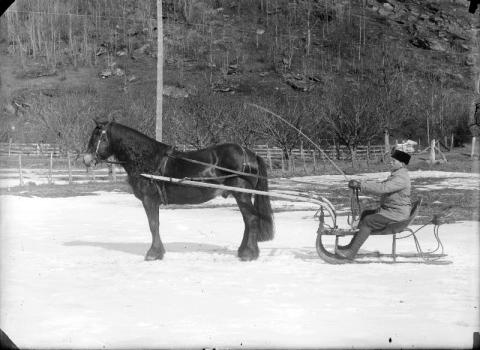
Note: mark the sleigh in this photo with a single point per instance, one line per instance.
(398, 230)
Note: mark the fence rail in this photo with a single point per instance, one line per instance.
(31, 149)
(21, 176)
(332, 152)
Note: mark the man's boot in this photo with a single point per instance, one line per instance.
(354, 246)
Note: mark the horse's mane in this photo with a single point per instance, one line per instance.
(134, 144)
(126, 130)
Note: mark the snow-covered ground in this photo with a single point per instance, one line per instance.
(73, 276)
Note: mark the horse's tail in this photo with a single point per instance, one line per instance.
(263, 206)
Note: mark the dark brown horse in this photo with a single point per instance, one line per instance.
(139, 154)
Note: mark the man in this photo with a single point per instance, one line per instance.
(394, 203)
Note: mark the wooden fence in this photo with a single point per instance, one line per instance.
(31, 149)
(333, 152)
(27, 163)
(20, 170)
(309, 159)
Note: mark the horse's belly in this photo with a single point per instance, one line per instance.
(182, 194)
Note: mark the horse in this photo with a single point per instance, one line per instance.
(226, 164)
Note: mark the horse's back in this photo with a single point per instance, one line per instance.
(218, 149)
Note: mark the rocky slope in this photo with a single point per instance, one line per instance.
(230, 50)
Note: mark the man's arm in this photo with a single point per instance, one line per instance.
(392, 184)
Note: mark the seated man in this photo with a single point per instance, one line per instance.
(394, 203)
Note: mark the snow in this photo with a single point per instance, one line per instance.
(73, 276)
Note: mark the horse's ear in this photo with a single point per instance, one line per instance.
(97, 123)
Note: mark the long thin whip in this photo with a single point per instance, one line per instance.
(301, 133)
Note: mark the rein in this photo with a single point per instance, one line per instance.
(355, 207)
(114, 162)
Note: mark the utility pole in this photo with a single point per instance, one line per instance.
(158, 124)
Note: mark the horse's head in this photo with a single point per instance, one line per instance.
(98, 148)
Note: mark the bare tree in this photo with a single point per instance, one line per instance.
(201, 120)
(300, 112)
(350, 112)
(63, 118)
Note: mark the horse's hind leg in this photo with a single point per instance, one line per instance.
(152, 206)
(248, 249)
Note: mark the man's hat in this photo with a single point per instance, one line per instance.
(401, 156)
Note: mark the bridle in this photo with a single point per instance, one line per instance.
(103, 135)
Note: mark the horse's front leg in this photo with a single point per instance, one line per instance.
(152, 206)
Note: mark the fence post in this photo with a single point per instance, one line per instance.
(451, 142)
(302, 155)
(110, 171)
(20, 169)
(69, 168)
(9, 146)
(283, 163)
(323, 158)
(314, 161)
(269, 157)
(386, 136)
(368, 153)
(292, 157)
(474, 142)
(50, 169)
(432, 151)
(114, 173)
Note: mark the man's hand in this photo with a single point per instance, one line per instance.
(354, 184)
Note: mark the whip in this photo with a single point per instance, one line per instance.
(301, 133)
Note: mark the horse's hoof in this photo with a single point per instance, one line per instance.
(154, 255)
(248, 255)
(151, 258)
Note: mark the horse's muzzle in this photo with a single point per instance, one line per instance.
(89, 160)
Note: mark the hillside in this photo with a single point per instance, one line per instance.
(345, 70)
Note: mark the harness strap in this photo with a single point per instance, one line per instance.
(104, 132)
(218, 167)
(162, 192)
(244, 164)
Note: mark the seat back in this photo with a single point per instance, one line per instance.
(415, 209)
(399, 226)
